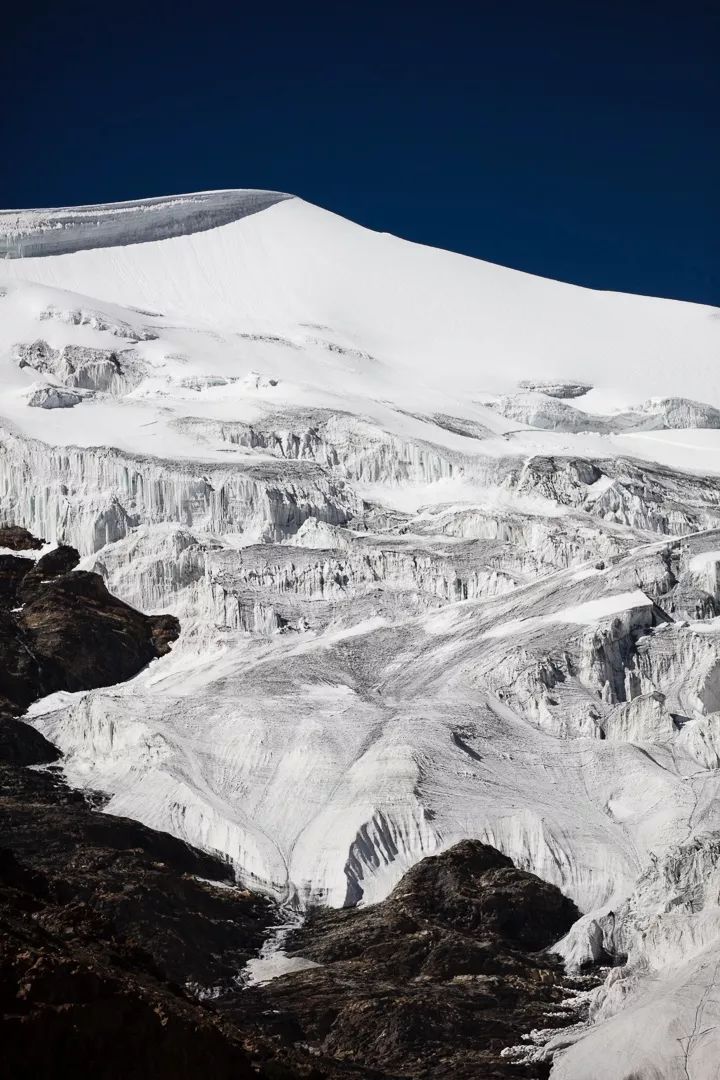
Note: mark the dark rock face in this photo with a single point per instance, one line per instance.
(436, 980)
(475, 889)
(112, 879)
(103, 922)
(60, 561)
(17, 539)
(50, 613)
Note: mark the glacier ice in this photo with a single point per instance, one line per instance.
(54, 232)
(443, 568)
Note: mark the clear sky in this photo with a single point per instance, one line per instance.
(576, 140)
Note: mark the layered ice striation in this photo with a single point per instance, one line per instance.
(38, 233)
(419, 602)
(78, 367)
(91, 497)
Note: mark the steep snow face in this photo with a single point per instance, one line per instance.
(444, 540)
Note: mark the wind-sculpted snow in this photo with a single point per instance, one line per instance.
(38, 233)
(419, 601)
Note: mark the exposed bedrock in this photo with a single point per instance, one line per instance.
(108, 932)
(437, 979)
(107, 929)
(18, 539)
(112, 931)
(48, 614)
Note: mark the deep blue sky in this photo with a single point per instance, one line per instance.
(576, 140)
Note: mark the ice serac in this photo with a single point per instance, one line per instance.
(666, 933)
(444, 542)
(33, 234)
(93, 496)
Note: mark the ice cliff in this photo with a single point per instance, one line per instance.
(444, 541)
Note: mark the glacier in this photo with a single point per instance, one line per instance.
(444, 541)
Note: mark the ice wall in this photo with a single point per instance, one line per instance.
(28, 234)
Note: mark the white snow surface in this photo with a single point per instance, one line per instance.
(407, 617)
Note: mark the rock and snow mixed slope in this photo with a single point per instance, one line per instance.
(445, 544)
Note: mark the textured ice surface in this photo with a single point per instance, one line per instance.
(418, 604)
(33, 233)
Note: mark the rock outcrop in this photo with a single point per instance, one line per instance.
(16, 539)
(60, 629)
(105, 926)
(107, 932)
(436, 980)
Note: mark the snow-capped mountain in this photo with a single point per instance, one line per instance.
(444, 541)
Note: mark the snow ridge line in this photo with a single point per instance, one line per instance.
(38, 233)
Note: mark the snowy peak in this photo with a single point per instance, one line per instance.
(443, 539)
(392, 316)
(37, 233)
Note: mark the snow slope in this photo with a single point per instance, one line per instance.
(419, 602)
(423, 314)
